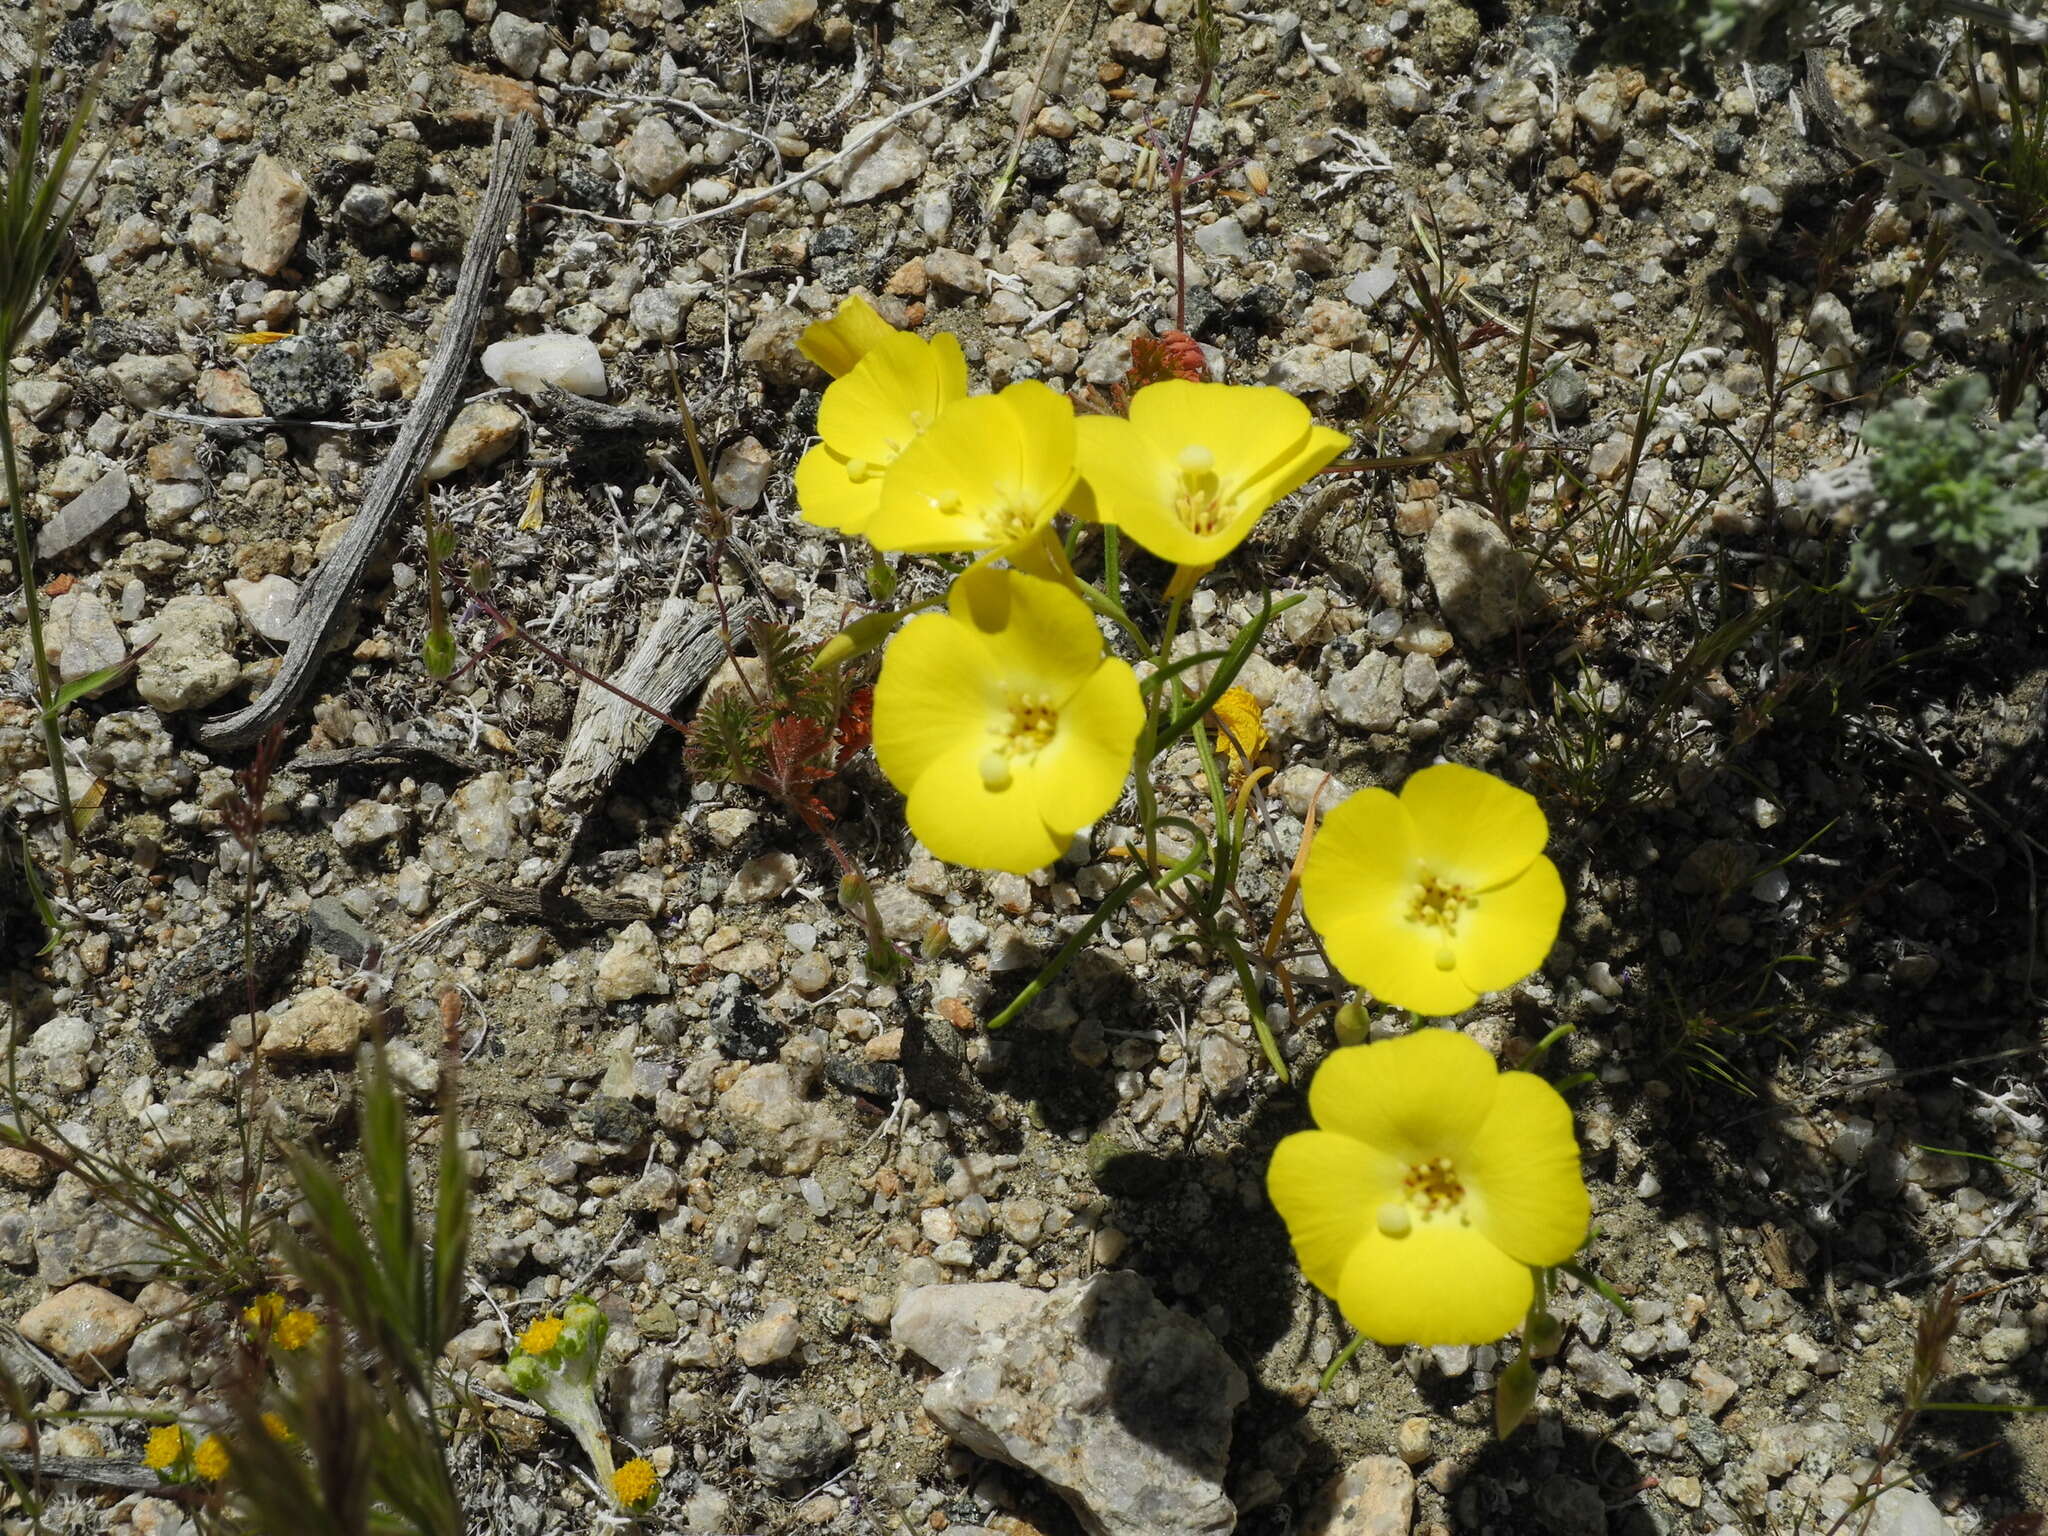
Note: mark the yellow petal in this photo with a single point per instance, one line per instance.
(1443, 1283)
(936, 691)
(1522, 1177)
(1327, 1188)
(895, 392)
(1132, 483)
(1508, 933)
(829, 496)
(955, 813)
(1361, 876)
(1293, 469)
(1246, 426)
(1038, 635)
(1081, 774)
(837, 345)
(1415, 1097)
(1471, 828)
(1404, 965)
(988, 474)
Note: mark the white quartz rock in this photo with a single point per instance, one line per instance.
(526, 363)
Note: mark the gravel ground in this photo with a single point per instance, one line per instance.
(1803, 951)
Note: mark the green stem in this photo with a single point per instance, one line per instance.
(1343, 1359)
(31, 602)
(1064, 957)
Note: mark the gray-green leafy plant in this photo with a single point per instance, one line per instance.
(1954, 498)
(39, 201)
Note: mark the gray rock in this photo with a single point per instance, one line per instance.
(268, 212)
(798, 1447)
(192, 662)
(1478, 575)
(765, 1109)
(707, 1511)
(1566, 393)
(157, 1359)
(77, 1238)
(305, 377)
(742, 474)
(1600, 111)
(1906, 1512)
(85, 515)
(271, 37)
(1369, 696)
(1225, 240)
(205, 983)
(147, 382)
(366, 824)
(1123, 1405)
(1374, 1496)
(1601, 1375)
(520, 44)
(880, 163)
(485, 819)
(85, 1327)
(778, 18)
(654, 157)
(80, 635)
(335, 929)
(640, 1395)
(267, 604)
(1567, 1507)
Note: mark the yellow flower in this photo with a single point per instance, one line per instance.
(1431, 1187)
(264, 1311)
(540, 1335)
(1196, 465)
(634, 1485)
(275, 1427)
(837, 345)
(295, 1330)
(990, 473)
(1003, 723)
(210, 1458)
(166, 1447)
(1430, 898)
(867, 418)
(1240, 729)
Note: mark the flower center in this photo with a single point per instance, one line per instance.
(1438, 905)
(1199, 502)
(1428, 1190)
(1026, 731)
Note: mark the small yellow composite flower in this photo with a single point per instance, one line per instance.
(1430, 1187)
(868, 418)
(991, 472)
(295, 1330)
(263, 1313)
(166, 1447)
(634, 1485)
(837, 345)
(540, 1335)
(1431, 897)
(210, 1458)
(1196, 465)
(1003, 723)
(275, 1427)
